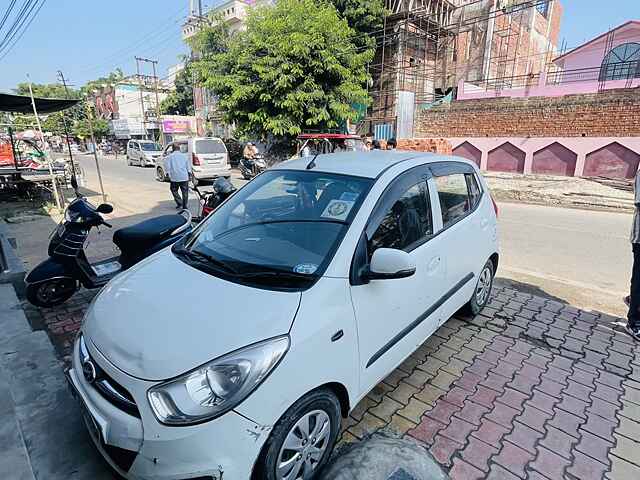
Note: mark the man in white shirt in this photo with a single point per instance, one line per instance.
(178, 166)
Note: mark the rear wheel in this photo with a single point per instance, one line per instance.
(302, 440)
(482, 292)
(51, 292)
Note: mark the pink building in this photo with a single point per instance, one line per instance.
(607, 62)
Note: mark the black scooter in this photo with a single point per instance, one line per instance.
(250, 167)
(56, 279)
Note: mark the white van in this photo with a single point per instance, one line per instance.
(209, 157)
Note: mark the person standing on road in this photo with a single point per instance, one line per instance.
(633, 300)
(178, 166)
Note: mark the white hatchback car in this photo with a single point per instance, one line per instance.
(209, 158)
(143, 153)
(236, 352)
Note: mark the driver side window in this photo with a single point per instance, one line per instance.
(407, 223)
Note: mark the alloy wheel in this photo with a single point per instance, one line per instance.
(484, 286)
(304, 446)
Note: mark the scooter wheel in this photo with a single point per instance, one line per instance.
(51, 292)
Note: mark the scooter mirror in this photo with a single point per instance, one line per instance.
(104, 208)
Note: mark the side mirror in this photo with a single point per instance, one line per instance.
(104, 208)
(389, 263)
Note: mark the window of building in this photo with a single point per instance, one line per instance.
(456, 200)
(543, 9)
(621, 63)
(407, 223)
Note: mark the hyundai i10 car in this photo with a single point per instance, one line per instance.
(235, 353)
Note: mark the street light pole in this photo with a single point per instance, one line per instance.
(144, 123)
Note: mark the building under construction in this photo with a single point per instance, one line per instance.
(426, 47)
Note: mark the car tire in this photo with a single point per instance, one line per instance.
(129, 161)
(482, 290)
(160, 175)
(320, 407)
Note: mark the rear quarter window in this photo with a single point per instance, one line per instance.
(209, 146)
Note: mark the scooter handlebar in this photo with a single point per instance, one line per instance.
(108, 225)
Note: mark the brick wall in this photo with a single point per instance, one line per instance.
(614, 113)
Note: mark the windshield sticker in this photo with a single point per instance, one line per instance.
(337, 209)
(305, 268)
(349, 196)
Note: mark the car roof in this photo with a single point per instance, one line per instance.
(361, 164)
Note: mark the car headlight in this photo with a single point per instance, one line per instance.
(218, 386)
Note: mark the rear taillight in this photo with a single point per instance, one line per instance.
(195, 160)
(495, 206)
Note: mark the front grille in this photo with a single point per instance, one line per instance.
(121, 457)
(111, 390)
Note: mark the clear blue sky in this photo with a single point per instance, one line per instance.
(87, 39)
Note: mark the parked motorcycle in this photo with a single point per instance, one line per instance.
(56, 279)
(250, 167)
(209, 201)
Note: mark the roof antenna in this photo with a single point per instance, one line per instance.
(312, 163)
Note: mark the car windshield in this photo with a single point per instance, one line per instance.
(279, 231)
(210, 146)
(151, 147)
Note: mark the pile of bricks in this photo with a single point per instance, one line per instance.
(434, 145)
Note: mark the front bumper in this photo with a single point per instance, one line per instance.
(143, 449)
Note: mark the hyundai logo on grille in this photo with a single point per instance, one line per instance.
(89, 371)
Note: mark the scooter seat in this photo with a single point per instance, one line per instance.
(148, 233)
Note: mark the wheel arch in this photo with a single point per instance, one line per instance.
(495, 259)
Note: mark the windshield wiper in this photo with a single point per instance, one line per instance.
(273, 273)
(203, 257)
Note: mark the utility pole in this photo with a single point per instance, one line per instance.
(95, 151)
(66, 129)
(155, 76)
(54, 180)
(144, 123)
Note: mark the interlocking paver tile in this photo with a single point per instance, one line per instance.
(455, 367)
(368, 425)
(379, 391)
(513, 398)
(395, 377)
(443, 448)
(534, 418)
(549, 463)
(578, 390)
(594, 446)
(573, 405)
(472, 412)
(550, 387)
(502, 414)
(442, 412)
(457, 396)
(495, 381)
(403, 392)
(461, 470)
(506, 369)
(612, 395)
(523, 383)
(365, 404)
(478, 453)
(469, 381)
(542, 401)
(458, 430)
(414, 410)
(484, 396)
(490, 432)
(622, 470)
(513, 458)
(430, 394)
(466, 355)
(409, 365)
(400, 425)
(418, 378)
(602, 408)
(524, 436)
(558, 441)
(386, 408)
(443, 380)
(426, 430)
(499, 473)
(601, 427)
(562, 363)
(627, 449)
(432, 365)
(629, 428)
(586, 468)
(444, 353)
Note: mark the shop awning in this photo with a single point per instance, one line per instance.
(20, 104)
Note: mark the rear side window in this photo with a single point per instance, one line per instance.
(407, 223)
(459, 193)
(209, 146)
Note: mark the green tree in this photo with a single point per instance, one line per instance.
(365, 17)
(294, 67)
(180, 101)
(112, 78)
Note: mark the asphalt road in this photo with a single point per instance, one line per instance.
(580, 257)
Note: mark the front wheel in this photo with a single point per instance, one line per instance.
(482, 292)
(51, 292)
(302, 440)
(160, 175)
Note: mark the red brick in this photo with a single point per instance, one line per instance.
(550, 464)
(461, 470)
(586, 468)
(443, 449)
(442, 412)
(484, 396)
(427, 430)
(458, 430)
(513, 458)
(478, 453)
(469, 381)
(490, 432)
(472, 412)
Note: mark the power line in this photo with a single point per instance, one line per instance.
(8, 50)
(18, 21)
(7, 13)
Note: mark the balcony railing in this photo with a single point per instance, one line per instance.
(609, 72)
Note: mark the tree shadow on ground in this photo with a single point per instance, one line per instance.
(527, 288)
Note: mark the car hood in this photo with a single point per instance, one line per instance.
(163, 318)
